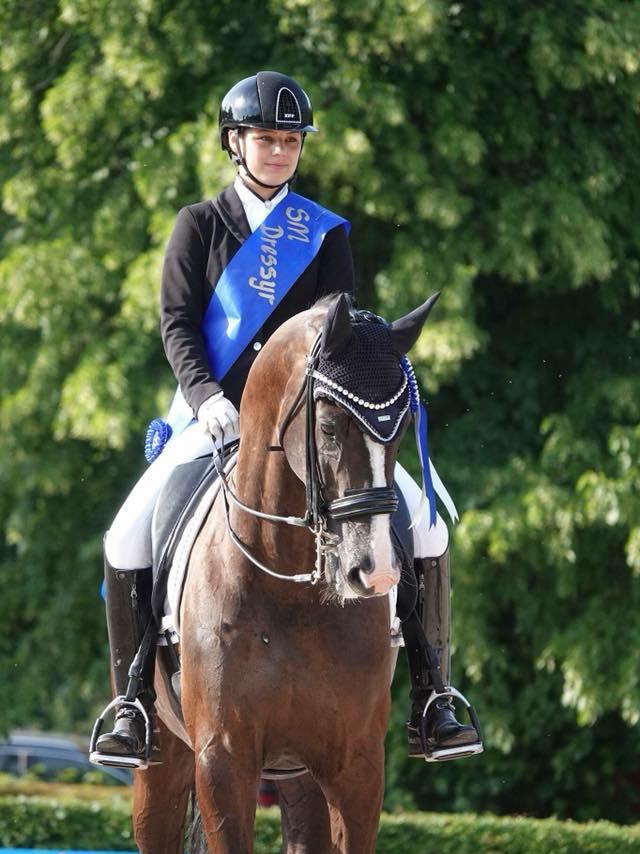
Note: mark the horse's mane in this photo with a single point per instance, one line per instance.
(328, 300)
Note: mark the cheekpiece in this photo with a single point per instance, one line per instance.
(366, 378)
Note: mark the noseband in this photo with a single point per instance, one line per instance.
(354, 503)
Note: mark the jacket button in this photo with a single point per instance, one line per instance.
(257, 345)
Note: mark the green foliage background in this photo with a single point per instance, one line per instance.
(488, 150)
(29, 821)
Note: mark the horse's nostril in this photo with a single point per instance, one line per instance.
(353, 577)
(356, 579)
(366, 565)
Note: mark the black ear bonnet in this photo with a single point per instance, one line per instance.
(362, 372)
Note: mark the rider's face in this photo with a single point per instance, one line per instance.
(271, 155)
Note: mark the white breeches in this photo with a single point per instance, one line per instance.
(128, 541)
(427, 542)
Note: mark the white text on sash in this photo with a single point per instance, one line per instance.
(266, 281)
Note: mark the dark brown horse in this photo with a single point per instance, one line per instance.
(277, 674)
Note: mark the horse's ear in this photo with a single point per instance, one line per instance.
(337, 331)
(406, 330)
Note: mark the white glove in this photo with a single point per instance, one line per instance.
(219, 417)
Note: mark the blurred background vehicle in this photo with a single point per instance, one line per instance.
(267, 794)
(63, 758)
(50, 756)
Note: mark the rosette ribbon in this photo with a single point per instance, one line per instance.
(431, 482)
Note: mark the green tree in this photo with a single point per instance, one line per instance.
(486, 150)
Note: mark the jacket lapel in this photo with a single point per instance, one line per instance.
(229, 206)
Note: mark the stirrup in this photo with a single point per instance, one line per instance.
(432, 753)
(116, 760)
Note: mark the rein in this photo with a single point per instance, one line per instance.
(365, 502)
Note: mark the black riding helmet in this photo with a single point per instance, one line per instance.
(267, 100)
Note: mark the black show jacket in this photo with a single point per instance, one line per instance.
(205, 238)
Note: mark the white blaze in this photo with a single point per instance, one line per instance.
(384, 573)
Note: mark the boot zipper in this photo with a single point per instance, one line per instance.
(134, 606)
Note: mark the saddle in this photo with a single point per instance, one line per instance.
(175, 516)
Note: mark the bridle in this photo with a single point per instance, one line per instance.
(354, 503)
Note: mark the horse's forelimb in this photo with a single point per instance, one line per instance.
(306, 828)
(161, 796)
(226, 787)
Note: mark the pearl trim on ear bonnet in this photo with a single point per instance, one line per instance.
(366, 377)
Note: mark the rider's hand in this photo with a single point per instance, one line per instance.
(219, 417)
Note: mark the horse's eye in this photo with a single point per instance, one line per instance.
(328, 428)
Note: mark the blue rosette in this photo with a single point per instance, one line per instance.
(158, 434)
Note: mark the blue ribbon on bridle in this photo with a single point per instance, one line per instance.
(420, 425)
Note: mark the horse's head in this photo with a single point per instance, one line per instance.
(344, 443)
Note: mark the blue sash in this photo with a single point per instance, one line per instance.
(254, 283)
(261, 274)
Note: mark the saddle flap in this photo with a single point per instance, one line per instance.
(179, 515)
(173, 499)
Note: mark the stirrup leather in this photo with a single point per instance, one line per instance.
(122, 761)
(432, 753)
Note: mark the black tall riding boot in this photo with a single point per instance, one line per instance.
(433, 731)
(128, 601)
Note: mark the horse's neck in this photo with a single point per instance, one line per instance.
(265, 482)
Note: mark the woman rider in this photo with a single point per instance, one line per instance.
(264, 120)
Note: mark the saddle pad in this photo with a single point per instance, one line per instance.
(180, 494)
(178, 569)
